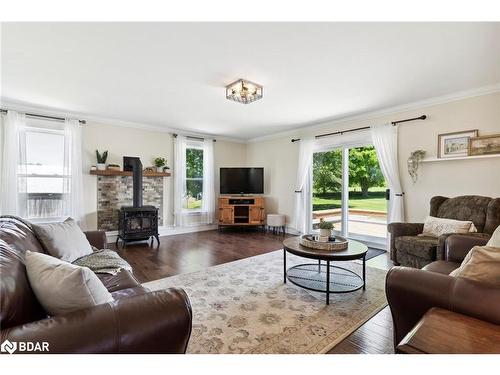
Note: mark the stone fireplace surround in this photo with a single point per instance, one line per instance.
(114, 192)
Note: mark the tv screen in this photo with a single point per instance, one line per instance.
(242, 180)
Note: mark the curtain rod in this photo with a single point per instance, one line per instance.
(423, 117)
(193, 138)
(45, 117)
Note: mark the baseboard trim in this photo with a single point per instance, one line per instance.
(167, 231)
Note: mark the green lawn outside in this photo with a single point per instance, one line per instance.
(193, 204)
(375, 201)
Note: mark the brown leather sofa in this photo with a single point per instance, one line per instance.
(409, 249)
(137, 321)
(412, 292)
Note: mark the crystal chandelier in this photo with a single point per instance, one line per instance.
(243, 91)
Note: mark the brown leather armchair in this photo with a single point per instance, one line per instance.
(409, 249)
(412, 292)
(137, 321)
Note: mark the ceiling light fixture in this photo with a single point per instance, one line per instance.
(243, 91)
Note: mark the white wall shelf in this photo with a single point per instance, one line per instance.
(431, 160)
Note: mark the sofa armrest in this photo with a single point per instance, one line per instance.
(97, 238)
(156, 322)
(402, 229)
(458, 245)
(411, 292)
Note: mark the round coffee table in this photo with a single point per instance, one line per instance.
(316, 276)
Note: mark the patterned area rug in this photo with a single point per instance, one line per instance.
(244, 307)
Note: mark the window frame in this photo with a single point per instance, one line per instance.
(197, 146)
(42, 127)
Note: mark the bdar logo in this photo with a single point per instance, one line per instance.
(9, 347)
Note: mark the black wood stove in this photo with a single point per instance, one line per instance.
(137, 222)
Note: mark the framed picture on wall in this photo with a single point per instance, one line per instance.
(453, 145)
(485, 145)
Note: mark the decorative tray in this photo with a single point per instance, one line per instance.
(332, 243)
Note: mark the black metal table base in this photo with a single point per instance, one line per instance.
(324, 277)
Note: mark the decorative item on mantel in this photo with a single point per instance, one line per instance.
(414, 162)
(113, 167)
(160, 163)
(101, 160)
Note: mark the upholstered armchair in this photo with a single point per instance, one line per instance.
(409, 249)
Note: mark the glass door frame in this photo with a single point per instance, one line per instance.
(371, 241)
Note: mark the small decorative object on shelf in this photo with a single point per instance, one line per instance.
(113, 167)
(413, 163)
(149, 169)
(485, 145)
(452, 145)
(93, 168)
(101, 160)
(333, 243)
(160, 163)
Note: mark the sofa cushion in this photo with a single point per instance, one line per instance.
(62, 287)
(494, 241)
(420, 246)
(441, 266)
(436, 226)
(64, 240)
(481, 264)
(18, 304)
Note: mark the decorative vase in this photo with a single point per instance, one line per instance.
(325, 232)
(101, 166)
(159, 169)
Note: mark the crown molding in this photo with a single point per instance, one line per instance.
(96, 120)
(367, 116)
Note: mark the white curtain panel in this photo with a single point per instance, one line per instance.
(385, 140)
(180, 143)
(208, 204)
(10, 200)
(73, 204)
(302, 209)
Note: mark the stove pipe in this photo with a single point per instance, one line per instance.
(136, 181)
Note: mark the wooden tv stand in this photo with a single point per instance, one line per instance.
(242, 211)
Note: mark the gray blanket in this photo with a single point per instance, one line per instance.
(103, 261)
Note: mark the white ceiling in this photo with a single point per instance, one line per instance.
(173, 74)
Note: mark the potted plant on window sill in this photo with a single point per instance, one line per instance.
(160, 164)
(325, 228)
(101, 160)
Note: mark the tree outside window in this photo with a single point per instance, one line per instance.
(194, 179)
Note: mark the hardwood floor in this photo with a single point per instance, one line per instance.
(192, 252)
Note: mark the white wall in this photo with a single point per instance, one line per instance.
(449, 178)
(146, 144)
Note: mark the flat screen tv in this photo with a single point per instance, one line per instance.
(242, 180)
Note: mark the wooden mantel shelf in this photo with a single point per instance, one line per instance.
(109, 172)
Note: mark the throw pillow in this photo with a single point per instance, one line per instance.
(64, 240)
(62, 287)
(495, 238)
(435, 226)
(481, 264)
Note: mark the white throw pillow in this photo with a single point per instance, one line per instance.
(495, 238)
(64, 240)
(62, 287)
(482, 263)
(435, 227)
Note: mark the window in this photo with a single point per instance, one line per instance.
(194, 178)
(42, 183)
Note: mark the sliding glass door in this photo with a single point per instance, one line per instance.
(348, 190)
(327, 188)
